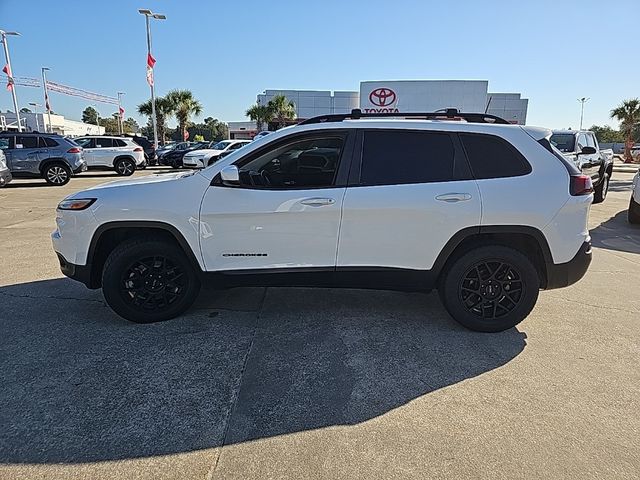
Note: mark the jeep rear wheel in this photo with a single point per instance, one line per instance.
(125, 167)
(57, 174)
(633, 214)
(490, 289)
(146, 280)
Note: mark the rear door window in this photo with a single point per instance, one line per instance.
(27, 141)
(104, 142)
(493, 157)
(392, 157)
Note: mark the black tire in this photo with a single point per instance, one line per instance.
(57, 174)
(633, 214)
(600, 192)
(125, 167)
(490, 288)
(146, 280)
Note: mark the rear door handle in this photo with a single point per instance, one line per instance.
(454, 197)
(317, 201)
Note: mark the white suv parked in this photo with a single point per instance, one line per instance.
(207, 156)
(488, 213)
(114, 153)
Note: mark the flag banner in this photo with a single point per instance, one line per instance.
(150, 63)
(121, 111)
(46, 102)
(10, 81)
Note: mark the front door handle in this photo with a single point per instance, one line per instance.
(454, 197)
(317, 201)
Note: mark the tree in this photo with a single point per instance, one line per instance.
(198, 138)
(606, 134)
(25, 110)
(183, 106)
(261, 114)
(210, 130)
(164, 110)
(110, 125)
(282, 110)
(628, 114)
(90, 115)
(130, 126)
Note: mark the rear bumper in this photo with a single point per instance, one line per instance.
(564, 274)
(80, 273)
(5, 177)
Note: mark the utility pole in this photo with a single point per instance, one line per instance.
(582, 101)
(148, 13)
(3, 38)
(46, 97)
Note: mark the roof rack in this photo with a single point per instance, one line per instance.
(445, 114)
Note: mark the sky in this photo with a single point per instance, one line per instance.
(226, 52)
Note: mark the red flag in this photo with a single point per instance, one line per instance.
(46, 101)
(7, 71)
(150, 63)
(121, 110)
(186, 135)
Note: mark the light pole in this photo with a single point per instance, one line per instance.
(35, 107)
(120, 124)
(148, 13)
(3, 37)
(582, 101)
(46, 97)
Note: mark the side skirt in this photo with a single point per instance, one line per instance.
(342, 277)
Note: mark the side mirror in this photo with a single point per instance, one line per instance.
(587, 151)
(230, 176)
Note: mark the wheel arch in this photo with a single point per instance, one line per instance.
(527, 240)
(49, 161)
(122, 157)
(109, 235)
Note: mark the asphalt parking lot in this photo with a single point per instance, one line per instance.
(302, 383)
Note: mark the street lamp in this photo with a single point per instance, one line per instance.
(3, 39)
(582, 101)
(46, 97)
(158, 16)
(35, 107)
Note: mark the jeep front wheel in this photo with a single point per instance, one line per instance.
(146, 280)
(490, 289)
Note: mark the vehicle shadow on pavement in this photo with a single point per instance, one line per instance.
(617, 234)
(79, 384)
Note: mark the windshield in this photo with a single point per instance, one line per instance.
(564, 142)
(221, 145)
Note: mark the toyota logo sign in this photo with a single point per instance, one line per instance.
(382, 97)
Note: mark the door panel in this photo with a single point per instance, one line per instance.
(24, 157)
(259, 229)
(404, 226)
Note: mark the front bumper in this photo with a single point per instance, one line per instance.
(565, 274)
(5, 177)
(80, 273)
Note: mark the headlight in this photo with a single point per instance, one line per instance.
(76, 203)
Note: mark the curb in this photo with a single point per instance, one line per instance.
(625, 169)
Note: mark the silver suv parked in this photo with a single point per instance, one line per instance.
(49, 156)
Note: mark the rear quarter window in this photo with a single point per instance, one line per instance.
(493, 157)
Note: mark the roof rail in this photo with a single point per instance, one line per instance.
(444, 114)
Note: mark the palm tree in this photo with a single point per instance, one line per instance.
(183, 105)
(261, 114)
(282, 110)
(164, 109)
(628, 114)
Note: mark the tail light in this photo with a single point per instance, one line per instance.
(580, 185)
(137, 149)
(74, 150)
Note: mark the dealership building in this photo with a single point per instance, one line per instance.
(401, 96)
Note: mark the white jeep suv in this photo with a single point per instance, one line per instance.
(113, 153)
(488, 213)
